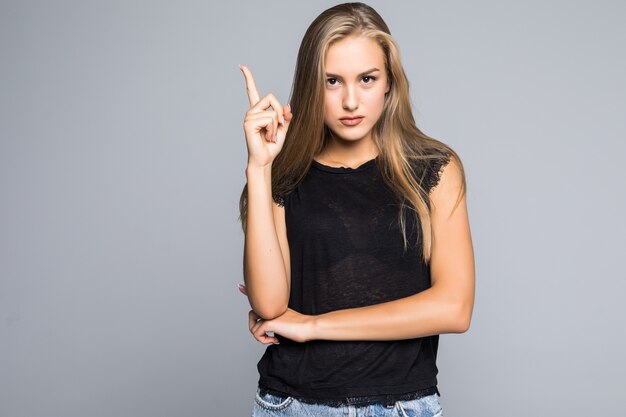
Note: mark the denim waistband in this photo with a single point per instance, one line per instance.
(383, 399)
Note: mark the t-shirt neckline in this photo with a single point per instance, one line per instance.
(345, 170)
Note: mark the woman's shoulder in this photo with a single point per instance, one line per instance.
(435, 167)
(429, 166)
(284, 188)
(279, 199)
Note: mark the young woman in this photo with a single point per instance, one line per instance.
(357, 247)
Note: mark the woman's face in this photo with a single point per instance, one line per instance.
(355, 85)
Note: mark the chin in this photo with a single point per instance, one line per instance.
(355, 132)
(354, 136)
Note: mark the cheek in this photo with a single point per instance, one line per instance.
(331, 106)
(382, 100)
(330, 100)
(377, 100)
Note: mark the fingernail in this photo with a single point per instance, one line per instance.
(240, 286)
(281, 119)
(289, 105)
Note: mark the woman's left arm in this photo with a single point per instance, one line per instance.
(445, 307)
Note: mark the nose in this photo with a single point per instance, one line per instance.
(350, 98)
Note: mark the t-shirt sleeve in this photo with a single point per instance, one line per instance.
(435, 170)
(279, 199)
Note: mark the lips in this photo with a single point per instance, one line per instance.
(351, 121)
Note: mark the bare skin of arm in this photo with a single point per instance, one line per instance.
(446, 307)
(266, 257)
(265, 263)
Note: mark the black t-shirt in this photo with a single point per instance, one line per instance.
(346, 251)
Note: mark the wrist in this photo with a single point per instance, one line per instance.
(251, 168)
(313, 332)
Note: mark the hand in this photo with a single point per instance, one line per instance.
(291, 324)
(265, 129)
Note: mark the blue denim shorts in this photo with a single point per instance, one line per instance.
(270, 405)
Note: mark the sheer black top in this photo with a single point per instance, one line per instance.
(346, 250)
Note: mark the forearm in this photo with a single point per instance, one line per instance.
(427, 313)
(264, 269)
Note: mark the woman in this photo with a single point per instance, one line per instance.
(357, 247)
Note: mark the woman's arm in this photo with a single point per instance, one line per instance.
(446, 307)
(265, 265)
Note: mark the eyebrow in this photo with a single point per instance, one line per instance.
(361, 74)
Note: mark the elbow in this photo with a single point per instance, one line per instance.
(271, 313)
(267, 304)
(463, 324)
(462, 319)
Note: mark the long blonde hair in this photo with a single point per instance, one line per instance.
(402, 145)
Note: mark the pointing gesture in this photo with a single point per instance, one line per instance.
(265, 128)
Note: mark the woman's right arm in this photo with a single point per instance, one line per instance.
(266, 251)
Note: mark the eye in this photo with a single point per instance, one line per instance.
(329, 79)
(369, 76)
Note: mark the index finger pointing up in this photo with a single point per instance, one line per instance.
(253, 94)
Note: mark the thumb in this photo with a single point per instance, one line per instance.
(287, 114)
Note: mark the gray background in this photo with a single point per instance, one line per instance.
(122, 159)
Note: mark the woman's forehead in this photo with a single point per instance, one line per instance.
(353, 56)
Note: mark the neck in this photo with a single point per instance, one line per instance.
(339, 151)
